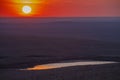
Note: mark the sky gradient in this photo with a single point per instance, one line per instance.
(61, 8)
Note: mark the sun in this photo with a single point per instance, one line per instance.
(26, 9)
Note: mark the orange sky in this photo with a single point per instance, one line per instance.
(60, 8)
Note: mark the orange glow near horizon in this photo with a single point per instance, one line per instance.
(60, 8)
(15, 7)
(29, 1)
(35, 7)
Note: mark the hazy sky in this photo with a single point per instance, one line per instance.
(61, 8)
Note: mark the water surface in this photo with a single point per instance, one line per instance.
(68, 64)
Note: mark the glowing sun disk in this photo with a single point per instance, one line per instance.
(26, 9)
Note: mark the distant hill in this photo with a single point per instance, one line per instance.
(60, 36)
(48, 46)
(97, 30)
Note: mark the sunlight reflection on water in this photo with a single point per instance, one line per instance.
(68, 64)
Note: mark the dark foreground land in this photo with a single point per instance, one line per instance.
(33, 51)
(19, 51)
(24, 45)
(99, 72)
